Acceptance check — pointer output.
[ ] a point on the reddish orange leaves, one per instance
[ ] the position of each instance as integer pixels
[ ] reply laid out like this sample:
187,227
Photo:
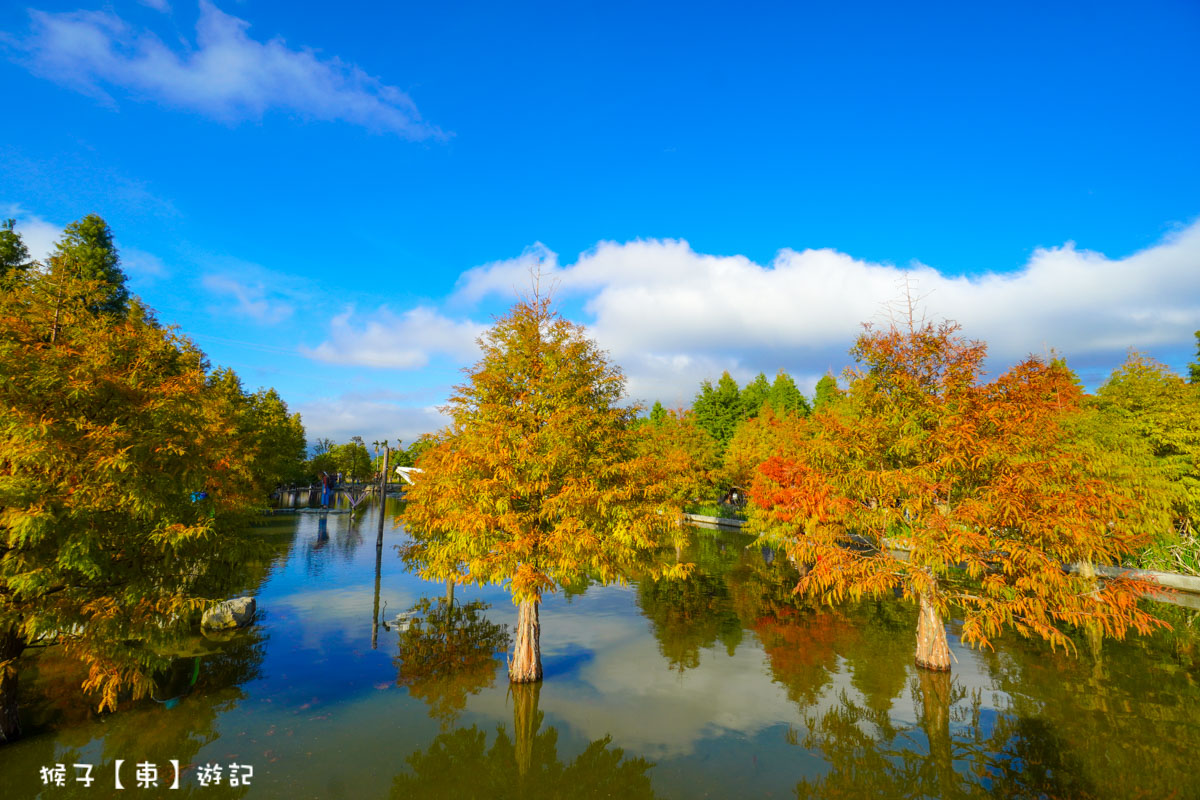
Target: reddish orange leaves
926,481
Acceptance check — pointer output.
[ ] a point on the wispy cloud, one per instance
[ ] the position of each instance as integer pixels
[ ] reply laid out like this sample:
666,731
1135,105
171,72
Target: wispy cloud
400,341
140,264
226,74
247,297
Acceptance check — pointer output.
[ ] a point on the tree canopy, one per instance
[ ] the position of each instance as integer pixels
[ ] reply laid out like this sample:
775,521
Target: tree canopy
107,427
785,398
982,486
719,409
86,251
128,473
536,483
14,255
754,395
827,391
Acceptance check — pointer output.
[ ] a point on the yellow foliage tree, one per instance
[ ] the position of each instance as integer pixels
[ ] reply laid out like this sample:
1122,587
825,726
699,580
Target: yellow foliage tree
536,484
106,430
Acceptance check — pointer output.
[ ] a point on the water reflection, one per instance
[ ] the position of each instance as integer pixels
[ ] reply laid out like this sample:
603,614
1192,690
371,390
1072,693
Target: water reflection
448,652
343,543
200,681
525,764
1127,711
958,748
728,683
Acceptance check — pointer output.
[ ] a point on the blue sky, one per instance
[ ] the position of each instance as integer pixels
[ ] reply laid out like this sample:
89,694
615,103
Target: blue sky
336,202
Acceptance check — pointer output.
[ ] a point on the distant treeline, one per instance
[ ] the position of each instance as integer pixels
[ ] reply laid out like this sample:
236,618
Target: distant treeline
354,462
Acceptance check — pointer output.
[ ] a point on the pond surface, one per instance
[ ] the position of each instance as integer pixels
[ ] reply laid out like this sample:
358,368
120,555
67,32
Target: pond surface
721,686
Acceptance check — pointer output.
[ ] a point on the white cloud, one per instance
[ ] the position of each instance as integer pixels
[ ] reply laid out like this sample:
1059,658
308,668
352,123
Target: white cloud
400,341
157,5
226,74
38,234
251,298
671,317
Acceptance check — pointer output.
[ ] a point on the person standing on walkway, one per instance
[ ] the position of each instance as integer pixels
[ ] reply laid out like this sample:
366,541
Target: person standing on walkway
326,485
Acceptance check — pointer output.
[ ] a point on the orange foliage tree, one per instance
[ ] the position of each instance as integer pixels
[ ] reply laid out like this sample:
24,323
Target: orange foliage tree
756,440
536,483
955,493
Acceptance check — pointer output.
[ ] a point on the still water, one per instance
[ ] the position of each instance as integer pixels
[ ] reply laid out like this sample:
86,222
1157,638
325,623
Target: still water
358,683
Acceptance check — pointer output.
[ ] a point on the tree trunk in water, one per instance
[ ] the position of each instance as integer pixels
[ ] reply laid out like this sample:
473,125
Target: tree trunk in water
450,594
11,647
932,650
935,721
526,721
526,663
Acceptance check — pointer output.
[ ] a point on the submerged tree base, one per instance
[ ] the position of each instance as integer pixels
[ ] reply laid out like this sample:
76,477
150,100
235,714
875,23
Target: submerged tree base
933,652
526,663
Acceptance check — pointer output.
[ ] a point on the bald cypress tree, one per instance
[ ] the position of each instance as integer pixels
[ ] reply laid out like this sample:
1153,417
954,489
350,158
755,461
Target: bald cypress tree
537,483
107,428
86,252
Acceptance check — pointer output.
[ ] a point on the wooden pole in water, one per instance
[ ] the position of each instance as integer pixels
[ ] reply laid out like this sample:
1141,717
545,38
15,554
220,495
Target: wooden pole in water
382,495
375,613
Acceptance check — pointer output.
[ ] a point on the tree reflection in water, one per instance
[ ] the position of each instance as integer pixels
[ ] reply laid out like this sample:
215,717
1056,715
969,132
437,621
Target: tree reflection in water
955,750
459,763
695,613
959,747
447,653
152,731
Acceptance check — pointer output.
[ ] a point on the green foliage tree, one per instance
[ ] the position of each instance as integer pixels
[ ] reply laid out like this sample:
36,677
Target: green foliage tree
322,460
107,427
755,393
785,398
86,251
353,459
536,483
718,410
658,414
827,392
1194,367
1162,410
14,256
280,440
